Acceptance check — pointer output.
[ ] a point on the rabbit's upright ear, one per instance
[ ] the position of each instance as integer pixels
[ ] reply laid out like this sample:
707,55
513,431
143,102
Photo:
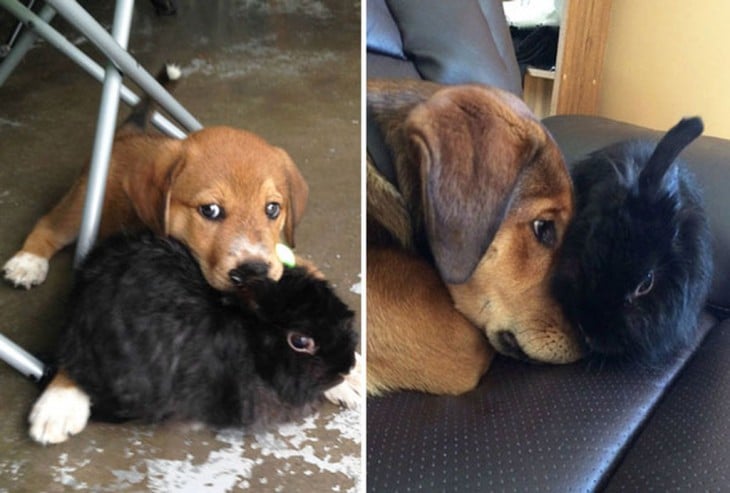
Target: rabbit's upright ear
471,144
674,141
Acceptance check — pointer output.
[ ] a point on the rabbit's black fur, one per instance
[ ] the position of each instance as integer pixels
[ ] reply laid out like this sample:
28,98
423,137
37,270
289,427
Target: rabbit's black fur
148,338
636,263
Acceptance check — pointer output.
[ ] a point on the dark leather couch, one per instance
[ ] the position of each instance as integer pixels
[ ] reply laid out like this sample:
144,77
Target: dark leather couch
576,427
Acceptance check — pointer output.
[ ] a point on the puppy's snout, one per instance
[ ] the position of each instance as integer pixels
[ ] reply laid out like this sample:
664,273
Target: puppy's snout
250,271
509,345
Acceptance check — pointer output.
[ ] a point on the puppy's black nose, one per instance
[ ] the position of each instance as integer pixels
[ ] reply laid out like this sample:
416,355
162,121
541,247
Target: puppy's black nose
509,345
250,271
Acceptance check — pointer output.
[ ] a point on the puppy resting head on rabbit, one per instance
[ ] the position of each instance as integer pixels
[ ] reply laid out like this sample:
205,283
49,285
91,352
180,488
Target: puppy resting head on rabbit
636,262
148,338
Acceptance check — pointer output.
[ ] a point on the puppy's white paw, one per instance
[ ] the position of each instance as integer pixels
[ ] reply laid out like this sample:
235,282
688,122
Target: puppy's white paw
59,413
348,393
26,269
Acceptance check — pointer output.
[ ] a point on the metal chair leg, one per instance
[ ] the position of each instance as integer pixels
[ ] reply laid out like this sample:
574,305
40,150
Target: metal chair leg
114,47
99,167
21,360
91,29
18,49
37,26
8,46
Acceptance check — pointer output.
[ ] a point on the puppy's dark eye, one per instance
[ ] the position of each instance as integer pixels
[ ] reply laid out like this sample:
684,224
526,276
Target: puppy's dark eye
301,343
212,211
273,209
645,285
545,232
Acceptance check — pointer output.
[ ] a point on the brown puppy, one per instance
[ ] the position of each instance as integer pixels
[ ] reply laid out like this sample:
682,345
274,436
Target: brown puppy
226,193
476,207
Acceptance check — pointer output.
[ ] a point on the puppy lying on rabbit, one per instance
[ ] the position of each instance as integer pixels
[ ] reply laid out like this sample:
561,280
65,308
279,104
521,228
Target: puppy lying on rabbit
636,263
147,338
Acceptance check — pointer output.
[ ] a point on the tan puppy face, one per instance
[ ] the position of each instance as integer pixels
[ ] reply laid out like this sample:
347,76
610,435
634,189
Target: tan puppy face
508,293
231,197
496,198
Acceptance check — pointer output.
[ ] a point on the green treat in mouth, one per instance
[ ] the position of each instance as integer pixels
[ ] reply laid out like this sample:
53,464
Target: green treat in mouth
286,255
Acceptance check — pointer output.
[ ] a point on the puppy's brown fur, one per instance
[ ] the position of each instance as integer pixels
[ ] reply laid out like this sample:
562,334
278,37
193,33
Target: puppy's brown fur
161,183
446,354
474,171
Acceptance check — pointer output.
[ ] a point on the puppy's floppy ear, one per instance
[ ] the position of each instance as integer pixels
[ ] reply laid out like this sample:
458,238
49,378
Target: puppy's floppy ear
150,189
470,143
174,170
298,191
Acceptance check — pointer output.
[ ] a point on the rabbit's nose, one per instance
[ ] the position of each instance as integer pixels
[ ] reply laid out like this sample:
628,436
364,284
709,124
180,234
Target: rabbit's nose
510,346
247,272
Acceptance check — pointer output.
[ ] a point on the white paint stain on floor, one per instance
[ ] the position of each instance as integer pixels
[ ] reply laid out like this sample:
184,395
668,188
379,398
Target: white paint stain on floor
9,123
357,287
224,470
323,447
231,468
256,57
309,8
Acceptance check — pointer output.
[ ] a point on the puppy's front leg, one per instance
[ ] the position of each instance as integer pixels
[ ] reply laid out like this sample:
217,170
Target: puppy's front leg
52,232
416,339
62,410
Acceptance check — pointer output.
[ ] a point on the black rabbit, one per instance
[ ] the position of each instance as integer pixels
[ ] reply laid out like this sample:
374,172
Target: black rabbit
149,339
636,264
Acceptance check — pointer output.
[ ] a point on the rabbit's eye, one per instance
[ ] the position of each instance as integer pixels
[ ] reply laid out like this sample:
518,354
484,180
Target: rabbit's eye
645,285
301,343
214,212
545,232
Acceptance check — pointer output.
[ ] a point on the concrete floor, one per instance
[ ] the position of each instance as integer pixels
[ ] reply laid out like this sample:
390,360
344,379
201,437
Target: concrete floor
288,70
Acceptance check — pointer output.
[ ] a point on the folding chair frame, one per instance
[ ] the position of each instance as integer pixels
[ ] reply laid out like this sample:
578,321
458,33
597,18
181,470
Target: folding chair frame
120,61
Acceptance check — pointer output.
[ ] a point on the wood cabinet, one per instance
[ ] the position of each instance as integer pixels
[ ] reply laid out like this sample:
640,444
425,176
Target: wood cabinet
572,88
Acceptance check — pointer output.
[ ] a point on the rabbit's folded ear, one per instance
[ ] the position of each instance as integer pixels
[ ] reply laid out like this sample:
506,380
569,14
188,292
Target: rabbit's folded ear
469,142
653,179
